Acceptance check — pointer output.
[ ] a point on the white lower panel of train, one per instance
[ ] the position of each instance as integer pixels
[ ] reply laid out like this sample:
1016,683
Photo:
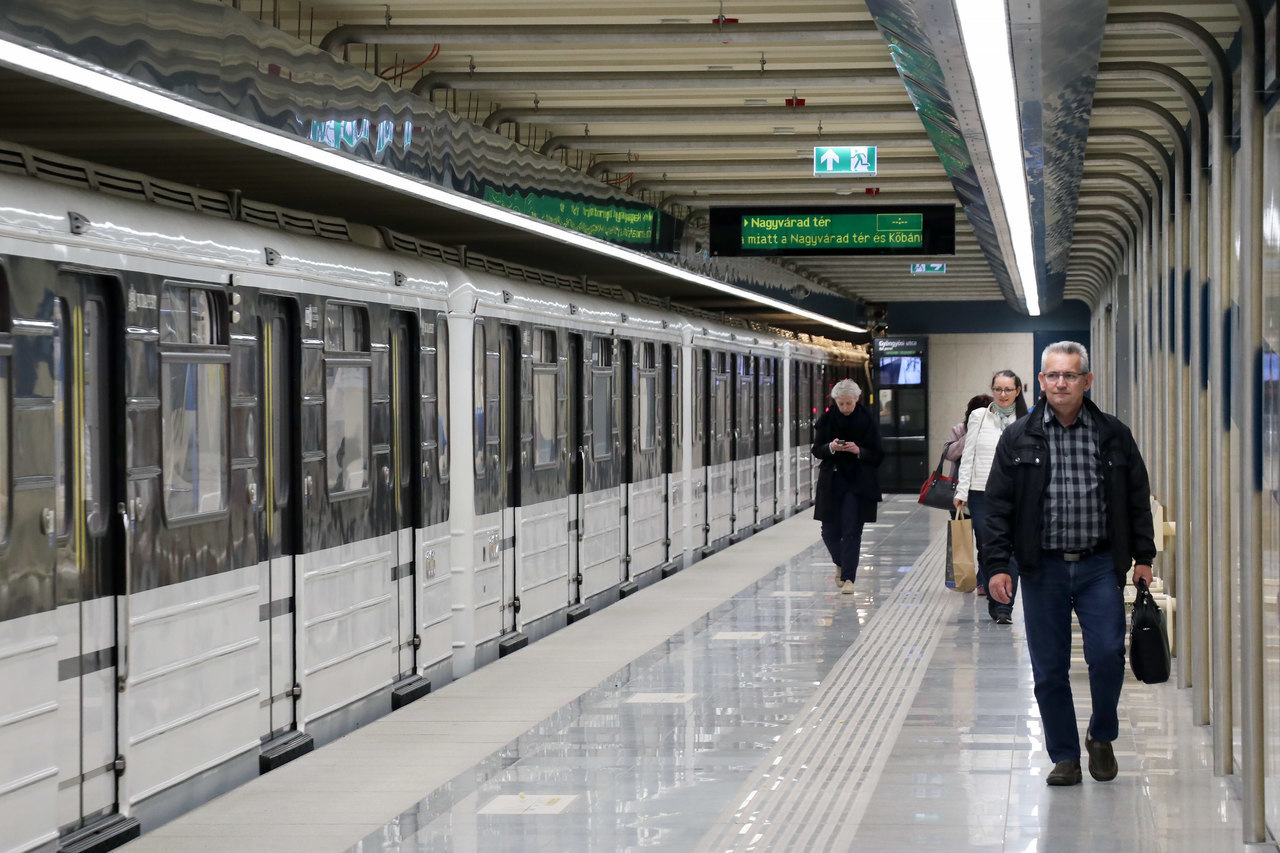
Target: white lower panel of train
805,476
678,536
767,485
542,564
600,542
719,501
744,495
647,525
28,728
699,525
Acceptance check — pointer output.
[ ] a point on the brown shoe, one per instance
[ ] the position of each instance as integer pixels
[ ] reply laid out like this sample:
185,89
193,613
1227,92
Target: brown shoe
1102,760
1065,773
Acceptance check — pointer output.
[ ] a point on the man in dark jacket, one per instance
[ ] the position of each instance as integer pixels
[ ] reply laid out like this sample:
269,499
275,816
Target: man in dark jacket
1068,497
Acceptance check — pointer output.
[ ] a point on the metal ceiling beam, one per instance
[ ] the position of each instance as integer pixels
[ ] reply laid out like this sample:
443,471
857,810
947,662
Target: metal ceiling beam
629,115
549,36
1122,159
748,167
676,142
552,81
1175,80
1143,140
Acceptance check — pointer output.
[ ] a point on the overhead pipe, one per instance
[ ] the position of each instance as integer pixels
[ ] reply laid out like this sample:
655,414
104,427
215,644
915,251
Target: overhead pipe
676,142
555,81
639,35
666,115
720,166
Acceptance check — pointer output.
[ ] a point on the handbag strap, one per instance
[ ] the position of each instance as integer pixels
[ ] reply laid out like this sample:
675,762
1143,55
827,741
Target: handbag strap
943,458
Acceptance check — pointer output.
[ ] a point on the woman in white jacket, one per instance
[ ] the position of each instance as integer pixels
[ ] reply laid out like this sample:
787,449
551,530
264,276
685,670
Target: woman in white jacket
984,429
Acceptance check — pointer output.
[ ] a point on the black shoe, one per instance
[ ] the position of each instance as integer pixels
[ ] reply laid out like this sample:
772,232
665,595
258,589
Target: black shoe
1102,760
1065,773
1003,615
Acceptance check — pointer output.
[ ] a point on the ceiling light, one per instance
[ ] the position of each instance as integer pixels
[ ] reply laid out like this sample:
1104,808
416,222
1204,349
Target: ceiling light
984,29
83,77
783,131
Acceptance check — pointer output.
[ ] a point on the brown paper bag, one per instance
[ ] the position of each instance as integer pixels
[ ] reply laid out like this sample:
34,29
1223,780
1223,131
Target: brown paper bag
962,555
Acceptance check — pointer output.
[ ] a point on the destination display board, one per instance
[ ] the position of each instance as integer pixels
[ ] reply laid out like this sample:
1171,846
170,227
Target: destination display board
846,230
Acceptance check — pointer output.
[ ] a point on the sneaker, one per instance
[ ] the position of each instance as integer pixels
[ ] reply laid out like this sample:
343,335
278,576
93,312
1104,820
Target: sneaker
1102,759
1064,773
982,590
1003,615
846,588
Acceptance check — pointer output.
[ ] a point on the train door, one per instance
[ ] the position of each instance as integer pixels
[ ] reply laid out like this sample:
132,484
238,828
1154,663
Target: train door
804,433
720,463
647,491
509,394
700,446
600,555
743,419
767,439
575,391
671,426
279,505
90,561
626,456
406,399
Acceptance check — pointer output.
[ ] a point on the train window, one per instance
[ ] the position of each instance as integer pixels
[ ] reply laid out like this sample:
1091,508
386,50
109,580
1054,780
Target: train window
347,397
648,411
194,405
277,391
477,397
545,375
93,458
347,426
61,458
5,449
646,356
442,397
345,328
602,399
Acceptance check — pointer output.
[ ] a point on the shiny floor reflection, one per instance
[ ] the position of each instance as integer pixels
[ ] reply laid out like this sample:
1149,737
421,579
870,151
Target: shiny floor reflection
654,755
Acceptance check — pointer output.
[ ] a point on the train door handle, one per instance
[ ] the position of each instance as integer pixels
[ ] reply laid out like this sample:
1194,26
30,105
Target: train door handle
308,486
524,458
426,469
47,521
253,496
386,475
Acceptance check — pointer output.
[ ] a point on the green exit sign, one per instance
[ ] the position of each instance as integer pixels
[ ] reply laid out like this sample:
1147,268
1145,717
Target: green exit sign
928,269
844,160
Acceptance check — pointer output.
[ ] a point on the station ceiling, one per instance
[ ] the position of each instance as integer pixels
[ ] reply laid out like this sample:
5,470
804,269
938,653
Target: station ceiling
696,105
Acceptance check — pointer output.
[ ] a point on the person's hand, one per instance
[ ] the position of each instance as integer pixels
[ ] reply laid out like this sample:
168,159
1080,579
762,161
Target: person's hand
1142,573
1000,587
959,504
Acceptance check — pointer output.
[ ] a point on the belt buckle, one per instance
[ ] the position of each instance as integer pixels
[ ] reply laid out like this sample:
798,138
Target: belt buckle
1073,556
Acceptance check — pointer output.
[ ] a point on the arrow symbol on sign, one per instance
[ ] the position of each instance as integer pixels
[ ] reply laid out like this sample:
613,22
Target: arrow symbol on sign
830,158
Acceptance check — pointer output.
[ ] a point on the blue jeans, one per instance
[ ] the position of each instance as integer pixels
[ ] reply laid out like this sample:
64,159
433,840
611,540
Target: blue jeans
1048,596
842,528
977,506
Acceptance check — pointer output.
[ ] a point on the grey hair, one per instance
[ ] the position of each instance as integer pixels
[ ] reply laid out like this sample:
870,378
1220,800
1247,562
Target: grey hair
1066,348
846,388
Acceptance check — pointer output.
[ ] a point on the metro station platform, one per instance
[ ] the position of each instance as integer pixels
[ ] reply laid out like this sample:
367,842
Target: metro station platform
744,705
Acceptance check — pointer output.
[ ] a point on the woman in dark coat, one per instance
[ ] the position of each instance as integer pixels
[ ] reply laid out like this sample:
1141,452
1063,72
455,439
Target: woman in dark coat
847,440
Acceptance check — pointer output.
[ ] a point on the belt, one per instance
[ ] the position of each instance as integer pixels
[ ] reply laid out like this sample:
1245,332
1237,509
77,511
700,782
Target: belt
1082,554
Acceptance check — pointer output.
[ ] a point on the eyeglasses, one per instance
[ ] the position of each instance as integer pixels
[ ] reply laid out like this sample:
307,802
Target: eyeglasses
1070,377
1004,390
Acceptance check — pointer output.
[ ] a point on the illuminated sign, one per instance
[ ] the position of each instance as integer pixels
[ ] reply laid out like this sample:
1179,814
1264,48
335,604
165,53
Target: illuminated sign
869,230
626,226
928,269
844,160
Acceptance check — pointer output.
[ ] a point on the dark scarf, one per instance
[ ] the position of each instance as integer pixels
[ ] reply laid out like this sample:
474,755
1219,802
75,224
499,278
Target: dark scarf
846,426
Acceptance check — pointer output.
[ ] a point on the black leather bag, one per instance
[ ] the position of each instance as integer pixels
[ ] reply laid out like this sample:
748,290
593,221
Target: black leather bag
938,491
1148,639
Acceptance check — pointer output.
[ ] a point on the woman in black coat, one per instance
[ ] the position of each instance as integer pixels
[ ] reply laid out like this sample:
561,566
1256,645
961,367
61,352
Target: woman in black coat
847,440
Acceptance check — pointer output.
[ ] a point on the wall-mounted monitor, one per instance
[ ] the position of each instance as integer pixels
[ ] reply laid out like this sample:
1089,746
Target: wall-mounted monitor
889,229
900,370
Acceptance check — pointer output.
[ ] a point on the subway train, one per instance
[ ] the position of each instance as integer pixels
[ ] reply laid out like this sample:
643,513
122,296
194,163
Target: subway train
267,476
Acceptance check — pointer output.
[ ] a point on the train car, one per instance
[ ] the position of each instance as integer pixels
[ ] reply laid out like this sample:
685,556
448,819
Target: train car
267,476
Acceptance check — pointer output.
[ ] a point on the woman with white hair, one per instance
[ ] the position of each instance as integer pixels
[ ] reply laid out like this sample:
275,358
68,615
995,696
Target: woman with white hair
847,440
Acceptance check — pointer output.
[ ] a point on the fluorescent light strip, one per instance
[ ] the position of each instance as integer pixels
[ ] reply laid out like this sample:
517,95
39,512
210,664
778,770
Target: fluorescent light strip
62,71
984,29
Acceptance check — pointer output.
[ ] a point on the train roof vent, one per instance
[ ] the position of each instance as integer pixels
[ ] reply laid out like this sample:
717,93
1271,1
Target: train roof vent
398,242
259,215
129,186
13,160
60,171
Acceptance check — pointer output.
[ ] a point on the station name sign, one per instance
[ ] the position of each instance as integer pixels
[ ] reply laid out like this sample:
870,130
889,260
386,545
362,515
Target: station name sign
849,230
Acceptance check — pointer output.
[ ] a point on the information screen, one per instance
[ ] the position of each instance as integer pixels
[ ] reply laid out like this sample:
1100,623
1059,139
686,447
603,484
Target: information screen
879,230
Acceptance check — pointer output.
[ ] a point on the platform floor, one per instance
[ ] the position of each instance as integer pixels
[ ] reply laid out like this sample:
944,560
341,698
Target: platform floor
745,705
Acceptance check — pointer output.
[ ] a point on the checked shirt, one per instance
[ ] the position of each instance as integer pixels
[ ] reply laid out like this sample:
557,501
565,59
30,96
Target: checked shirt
1075,507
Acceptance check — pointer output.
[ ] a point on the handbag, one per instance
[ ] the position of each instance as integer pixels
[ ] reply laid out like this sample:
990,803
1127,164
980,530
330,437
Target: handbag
938,491
1148,639
962,558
